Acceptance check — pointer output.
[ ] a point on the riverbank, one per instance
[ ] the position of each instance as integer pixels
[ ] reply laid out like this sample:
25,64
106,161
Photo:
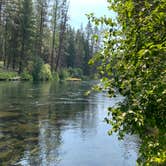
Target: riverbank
13,76
9,76
6,75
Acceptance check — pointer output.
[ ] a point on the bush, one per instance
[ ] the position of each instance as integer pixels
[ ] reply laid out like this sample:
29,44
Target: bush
63,74
30,66
45,73
55,76
6,75
36,68
76,72
26,75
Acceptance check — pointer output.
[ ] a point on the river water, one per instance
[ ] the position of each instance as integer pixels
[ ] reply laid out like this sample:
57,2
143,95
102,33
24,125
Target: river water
55,124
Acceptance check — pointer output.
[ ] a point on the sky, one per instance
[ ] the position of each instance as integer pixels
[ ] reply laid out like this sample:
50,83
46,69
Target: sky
78,9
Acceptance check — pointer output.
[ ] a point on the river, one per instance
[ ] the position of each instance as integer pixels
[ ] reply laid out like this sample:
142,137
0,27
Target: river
55,124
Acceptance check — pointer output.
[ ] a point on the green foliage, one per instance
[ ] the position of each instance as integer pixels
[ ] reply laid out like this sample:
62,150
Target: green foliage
36,68
133,60
25,32
45,73
39,70
26,76
75,72
29,67
55,76
63,74
7,75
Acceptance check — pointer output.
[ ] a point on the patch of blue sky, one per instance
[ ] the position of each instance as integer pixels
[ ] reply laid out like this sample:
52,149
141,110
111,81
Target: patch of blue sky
78,9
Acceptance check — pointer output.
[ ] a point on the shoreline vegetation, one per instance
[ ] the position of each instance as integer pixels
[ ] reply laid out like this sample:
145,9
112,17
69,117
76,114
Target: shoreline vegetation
38,42
45,74
133,60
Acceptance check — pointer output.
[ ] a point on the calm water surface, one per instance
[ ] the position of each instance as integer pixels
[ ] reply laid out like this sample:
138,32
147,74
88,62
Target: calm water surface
55,124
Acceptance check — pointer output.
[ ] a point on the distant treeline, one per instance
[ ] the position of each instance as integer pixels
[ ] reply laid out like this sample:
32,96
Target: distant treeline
34,31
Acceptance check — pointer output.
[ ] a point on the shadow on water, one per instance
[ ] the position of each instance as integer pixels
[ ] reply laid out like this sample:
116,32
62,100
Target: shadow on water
56,124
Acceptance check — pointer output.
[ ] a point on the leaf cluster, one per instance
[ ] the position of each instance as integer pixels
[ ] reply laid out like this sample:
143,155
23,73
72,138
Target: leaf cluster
134,61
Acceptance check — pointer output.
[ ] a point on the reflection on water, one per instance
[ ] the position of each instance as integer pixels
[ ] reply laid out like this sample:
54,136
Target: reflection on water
55,124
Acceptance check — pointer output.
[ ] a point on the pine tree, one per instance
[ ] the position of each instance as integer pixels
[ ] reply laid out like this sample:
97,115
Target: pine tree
41,22
71,50
54,27
26,33
63,27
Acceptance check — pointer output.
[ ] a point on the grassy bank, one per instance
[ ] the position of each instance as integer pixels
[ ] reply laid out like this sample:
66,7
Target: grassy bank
6,74
41,72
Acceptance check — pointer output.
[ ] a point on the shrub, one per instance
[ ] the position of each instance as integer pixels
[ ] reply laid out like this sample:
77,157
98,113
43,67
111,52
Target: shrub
55,76
36,68
63,74
76,72
45,73
26,75
6,75
30,66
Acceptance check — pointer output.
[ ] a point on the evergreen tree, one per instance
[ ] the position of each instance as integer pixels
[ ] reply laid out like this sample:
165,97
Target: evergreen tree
38,29
11,33
41,22
27,31
79,49
54,29
71,52
63,27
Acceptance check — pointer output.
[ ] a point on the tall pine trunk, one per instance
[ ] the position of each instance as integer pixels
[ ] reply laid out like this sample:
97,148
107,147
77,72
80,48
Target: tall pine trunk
53,35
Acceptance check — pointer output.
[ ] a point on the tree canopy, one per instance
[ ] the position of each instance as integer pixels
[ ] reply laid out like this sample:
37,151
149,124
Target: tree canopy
39,29
133,63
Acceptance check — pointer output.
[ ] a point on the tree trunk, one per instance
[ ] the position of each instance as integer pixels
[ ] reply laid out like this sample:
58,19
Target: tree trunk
64,13
53,36
5,45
